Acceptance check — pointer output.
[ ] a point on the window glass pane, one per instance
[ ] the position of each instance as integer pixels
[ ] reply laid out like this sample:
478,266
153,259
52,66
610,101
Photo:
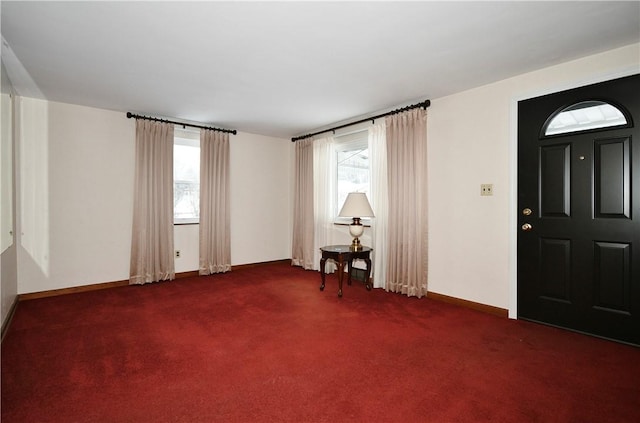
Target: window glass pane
584,116
353,173
186,181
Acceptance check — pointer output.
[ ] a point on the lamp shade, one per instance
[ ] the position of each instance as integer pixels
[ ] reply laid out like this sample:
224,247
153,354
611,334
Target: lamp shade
356,205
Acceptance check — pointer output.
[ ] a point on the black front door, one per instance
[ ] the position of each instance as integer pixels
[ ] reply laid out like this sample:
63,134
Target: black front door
579,211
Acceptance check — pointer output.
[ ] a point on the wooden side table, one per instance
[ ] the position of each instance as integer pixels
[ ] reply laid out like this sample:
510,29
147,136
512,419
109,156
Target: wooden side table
342,254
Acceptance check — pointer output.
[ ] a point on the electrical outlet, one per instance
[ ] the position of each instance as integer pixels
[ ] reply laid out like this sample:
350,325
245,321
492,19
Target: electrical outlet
177,253
486,189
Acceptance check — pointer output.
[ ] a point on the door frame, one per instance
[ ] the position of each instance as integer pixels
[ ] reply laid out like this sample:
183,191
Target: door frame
512,270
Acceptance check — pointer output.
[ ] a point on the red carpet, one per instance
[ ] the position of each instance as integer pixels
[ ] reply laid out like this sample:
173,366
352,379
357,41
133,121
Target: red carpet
263,344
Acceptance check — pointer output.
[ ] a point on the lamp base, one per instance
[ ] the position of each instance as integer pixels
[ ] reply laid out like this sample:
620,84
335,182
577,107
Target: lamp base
356,229
355,245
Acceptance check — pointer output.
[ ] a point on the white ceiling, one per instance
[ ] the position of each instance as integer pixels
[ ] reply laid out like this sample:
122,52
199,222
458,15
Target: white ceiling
287,68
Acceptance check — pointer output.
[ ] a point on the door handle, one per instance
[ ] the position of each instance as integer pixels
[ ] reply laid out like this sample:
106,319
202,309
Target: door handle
527,227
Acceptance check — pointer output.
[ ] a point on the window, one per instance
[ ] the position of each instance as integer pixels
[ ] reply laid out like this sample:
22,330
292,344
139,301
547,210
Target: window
352,166
186,176
583,116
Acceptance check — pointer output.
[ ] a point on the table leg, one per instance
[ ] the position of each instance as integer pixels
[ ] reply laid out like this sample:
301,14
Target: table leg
349,269
368,263
322,263
340,275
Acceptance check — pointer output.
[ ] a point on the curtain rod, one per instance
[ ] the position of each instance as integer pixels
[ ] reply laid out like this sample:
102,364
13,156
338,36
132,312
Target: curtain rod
229,131
424,104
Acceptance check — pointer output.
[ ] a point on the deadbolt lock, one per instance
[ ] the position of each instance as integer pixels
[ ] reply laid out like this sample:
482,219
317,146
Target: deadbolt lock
527,211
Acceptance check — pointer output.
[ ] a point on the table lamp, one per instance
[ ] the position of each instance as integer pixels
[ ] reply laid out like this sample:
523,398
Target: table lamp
356,206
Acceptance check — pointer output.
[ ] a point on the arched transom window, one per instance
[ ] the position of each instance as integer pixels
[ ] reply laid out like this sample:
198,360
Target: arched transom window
584,116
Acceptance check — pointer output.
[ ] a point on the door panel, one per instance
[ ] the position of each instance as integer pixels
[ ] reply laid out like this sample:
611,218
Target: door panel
613,179
555,180
555,269
612,281
579,248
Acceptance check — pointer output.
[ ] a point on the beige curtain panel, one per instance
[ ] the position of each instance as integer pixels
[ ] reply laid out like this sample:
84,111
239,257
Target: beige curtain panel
152,232
407,205
215,238
379,202
303,212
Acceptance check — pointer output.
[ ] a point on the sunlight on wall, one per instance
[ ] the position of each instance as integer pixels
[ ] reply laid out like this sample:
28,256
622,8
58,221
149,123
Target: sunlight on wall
6,174
34,181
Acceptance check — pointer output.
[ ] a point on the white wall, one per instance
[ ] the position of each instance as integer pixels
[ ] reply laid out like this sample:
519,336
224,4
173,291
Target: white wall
77,167
261,203
8,255
472,140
